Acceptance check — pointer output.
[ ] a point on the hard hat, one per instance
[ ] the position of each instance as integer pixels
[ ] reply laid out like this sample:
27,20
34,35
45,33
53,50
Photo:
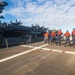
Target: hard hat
66,30
73,28
59,29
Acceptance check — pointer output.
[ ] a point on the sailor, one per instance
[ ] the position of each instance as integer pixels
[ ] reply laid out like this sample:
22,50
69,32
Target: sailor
58,39
73,36
53,34
67,36
46,37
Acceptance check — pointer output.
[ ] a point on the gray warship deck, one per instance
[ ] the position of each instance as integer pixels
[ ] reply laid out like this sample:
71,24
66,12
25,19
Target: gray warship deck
37,59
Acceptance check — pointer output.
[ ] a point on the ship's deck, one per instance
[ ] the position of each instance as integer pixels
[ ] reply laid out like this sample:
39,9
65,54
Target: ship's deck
37,59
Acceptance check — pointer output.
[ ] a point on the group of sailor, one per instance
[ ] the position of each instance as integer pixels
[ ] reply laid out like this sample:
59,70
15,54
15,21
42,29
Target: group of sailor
56,37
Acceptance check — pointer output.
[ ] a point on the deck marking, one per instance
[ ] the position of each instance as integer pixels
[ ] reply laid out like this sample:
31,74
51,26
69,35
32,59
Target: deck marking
34,48
30,46
27,46
23,45
56,50
69,52
8,58
46,49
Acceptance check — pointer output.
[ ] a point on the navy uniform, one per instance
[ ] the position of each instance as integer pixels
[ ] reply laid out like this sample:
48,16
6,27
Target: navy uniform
53,34
73,37
46,37
58,37
67,40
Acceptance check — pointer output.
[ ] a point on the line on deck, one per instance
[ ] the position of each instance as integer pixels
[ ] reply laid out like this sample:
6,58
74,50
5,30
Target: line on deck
48,49
8,58
56,50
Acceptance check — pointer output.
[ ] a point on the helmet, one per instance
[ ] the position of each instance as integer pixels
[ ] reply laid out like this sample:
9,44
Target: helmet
59,29
66,30
73,28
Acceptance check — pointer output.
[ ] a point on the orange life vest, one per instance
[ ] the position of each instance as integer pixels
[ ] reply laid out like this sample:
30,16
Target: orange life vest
46,34
59,32
67,34
73,32
53,33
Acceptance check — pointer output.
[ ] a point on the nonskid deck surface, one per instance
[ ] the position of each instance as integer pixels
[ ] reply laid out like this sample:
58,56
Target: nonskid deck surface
37,59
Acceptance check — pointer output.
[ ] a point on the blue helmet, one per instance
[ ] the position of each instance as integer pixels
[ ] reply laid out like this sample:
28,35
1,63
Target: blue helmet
59,29
73,28
66,30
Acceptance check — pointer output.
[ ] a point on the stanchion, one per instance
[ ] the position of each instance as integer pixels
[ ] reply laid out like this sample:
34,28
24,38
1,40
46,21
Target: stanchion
29,39
6,42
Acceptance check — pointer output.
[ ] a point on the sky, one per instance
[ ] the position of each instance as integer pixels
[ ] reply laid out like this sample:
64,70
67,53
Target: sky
58,14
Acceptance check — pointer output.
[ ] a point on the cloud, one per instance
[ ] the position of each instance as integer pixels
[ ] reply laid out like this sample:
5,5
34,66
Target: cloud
60,2
49,13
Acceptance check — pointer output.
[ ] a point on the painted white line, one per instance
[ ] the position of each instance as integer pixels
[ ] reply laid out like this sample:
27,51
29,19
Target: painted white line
68,52
38,47
30,46
8,58
27,46
43,45
2,60
35,47
56,50
23,45
46,49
